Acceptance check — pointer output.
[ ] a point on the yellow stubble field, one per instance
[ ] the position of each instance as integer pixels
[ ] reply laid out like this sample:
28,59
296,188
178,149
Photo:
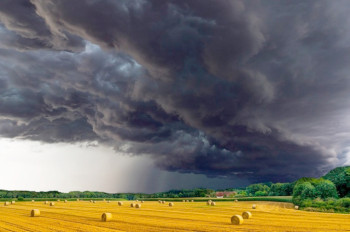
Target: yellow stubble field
153,216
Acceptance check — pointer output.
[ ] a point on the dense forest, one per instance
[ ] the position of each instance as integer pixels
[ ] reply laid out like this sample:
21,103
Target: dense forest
329,193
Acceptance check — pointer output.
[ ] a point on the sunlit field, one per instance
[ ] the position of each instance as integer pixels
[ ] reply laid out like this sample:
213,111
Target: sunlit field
155,216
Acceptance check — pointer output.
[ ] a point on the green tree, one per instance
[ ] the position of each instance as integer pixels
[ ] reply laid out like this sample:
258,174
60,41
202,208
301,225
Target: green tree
341,178
252,189
281,189
302,191
326,189
308,191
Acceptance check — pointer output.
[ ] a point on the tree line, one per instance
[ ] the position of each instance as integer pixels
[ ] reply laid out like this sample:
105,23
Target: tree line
329,193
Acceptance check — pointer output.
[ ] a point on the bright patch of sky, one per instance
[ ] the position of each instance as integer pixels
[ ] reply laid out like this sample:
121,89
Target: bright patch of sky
29,165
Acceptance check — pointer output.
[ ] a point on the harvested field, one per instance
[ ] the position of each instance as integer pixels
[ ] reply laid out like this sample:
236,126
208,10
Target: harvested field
197,216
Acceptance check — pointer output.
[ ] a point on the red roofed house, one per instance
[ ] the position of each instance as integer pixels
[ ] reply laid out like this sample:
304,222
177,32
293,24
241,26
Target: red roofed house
224,194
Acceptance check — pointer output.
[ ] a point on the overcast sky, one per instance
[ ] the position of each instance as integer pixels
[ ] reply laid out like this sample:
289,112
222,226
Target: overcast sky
150,95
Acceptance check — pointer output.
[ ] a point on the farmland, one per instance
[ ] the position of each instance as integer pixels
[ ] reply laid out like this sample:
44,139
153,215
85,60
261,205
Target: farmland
153,216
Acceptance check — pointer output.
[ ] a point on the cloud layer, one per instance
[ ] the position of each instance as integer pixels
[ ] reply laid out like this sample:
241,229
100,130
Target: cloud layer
258,90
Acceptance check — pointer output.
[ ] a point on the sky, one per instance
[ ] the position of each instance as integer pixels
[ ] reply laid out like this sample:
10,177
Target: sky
152,95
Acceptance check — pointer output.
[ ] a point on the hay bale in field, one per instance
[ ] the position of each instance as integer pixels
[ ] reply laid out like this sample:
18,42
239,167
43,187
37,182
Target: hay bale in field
138,206
247,215
212,203
108,201
120,203
132,205
35,213
187,200
58,200
137,200
163,202
32,200
296,207
13,202
52,204
236,200
94,202
192,200
106,217
46,202
142,201
237,220
171,204
91,201
254,206
65,201
208,203
183,200
6,203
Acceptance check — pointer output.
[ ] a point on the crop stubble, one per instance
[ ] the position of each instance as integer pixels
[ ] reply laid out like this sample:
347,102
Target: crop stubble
152,216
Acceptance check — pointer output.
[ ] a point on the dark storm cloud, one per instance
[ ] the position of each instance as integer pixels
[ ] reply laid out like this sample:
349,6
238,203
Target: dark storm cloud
252,89
25,29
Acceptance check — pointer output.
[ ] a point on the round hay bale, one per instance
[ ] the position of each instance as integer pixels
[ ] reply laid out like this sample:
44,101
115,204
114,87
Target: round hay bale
183,200
192,200
247,215
132,205
237,220
52,204
13,202
106,217
32,200
120,203
35,213
91,201
6,203
171,204
208,203
137,200
142,201
58,200
137,206
108,201
212,203
94,202
296,207
65,201
187,200
236,200
254,206
159,201
163,202
46,202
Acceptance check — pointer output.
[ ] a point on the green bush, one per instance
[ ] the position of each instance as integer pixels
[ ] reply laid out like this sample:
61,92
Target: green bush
345,202
261,193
